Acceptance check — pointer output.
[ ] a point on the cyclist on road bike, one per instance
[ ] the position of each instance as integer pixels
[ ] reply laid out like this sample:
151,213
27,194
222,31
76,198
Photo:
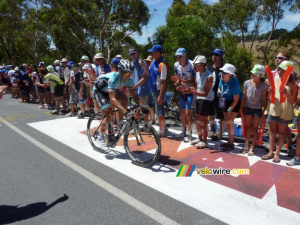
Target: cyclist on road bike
106,92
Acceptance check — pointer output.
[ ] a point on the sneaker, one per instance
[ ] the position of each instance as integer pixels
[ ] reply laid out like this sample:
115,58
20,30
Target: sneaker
188,138
293,162
201,145
181,135
87,114
211,134
54,112
102,145
70,114
42,107
216,137
195,141
81,115
163,132
63,111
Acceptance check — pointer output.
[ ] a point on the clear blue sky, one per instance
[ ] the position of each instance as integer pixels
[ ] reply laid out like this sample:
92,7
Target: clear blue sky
289,21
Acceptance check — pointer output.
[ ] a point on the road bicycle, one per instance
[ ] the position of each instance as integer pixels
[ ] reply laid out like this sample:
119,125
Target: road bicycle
140,139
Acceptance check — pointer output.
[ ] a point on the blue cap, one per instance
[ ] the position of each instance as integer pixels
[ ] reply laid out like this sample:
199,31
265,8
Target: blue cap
70,63
115,61
156,48
180,51
218,52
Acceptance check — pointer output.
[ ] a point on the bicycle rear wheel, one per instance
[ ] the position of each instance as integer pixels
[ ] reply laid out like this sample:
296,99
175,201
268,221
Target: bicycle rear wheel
142,144
93,132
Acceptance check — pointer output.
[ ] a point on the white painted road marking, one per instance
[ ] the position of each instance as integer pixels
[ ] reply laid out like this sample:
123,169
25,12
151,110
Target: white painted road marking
221,202
148,211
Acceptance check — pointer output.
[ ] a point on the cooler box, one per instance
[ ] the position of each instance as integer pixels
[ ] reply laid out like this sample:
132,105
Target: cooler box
238,131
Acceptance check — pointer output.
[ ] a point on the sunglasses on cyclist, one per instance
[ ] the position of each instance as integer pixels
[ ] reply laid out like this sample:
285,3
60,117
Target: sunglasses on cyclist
127,74
280,57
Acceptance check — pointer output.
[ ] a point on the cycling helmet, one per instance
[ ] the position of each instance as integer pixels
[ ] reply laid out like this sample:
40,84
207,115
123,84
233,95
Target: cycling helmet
125,66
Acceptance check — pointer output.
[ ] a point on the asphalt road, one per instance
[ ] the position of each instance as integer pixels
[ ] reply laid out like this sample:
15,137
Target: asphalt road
45,182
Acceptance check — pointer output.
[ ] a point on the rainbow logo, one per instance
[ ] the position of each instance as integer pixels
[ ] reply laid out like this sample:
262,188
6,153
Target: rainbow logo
186,170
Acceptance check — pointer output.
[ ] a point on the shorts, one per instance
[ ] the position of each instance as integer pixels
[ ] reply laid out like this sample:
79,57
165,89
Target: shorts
228,104
48,89
204,107
82,99
102,98
150,100
277,119
59,90
159,109
253,112
74,96
88,92
185,101
144,100
217,112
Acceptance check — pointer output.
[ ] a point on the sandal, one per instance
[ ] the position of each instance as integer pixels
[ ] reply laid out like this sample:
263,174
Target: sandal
228,147
267,157
276,159
251,152
245,151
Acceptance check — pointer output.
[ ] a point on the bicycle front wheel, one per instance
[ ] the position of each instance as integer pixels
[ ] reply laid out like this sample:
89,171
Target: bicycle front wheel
142,144
93,132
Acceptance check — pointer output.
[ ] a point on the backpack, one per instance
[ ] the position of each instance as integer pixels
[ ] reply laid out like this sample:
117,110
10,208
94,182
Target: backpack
78,79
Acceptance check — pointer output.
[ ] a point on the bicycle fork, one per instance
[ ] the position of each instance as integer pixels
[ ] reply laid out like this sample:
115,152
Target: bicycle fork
137,132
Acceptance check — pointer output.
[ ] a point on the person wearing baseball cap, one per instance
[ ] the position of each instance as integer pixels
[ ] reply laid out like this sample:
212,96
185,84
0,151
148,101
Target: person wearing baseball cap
230,96
204,97
217,58
185,72
254,99
141,80
158,84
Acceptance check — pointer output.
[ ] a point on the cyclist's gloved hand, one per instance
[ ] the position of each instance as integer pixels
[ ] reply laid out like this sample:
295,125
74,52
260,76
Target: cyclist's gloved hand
128,114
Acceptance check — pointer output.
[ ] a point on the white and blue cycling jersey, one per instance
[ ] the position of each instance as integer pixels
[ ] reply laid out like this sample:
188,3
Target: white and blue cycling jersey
186,72
111,82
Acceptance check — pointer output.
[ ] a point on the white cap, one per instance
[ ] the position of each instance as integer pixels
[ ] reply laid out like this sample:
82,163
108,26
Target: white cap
87,66
64,60
57,62
228,68
199,59
50,68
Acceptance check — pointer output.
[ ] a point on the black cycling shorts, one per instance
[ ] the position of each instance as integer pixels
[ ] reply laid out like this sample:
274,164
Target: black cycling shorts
102,98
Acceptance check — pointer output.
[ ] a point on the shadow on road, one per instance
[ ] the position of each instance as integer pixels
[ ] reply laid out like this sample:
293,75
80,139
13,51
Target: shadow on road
12,214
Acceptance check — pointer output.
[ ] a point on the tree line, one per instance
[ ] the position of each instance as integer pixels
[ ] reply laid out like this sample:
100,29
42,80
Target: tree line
45,30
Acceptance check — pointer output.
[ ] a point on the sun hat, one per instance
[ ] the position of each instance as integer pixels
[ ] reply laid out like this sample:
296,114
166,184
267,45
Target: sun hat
99,56
156,48
149,58
84,58
87,66
199,59
57,62
259,70
119,56
285,64
180,51
64,60
218,52
228,68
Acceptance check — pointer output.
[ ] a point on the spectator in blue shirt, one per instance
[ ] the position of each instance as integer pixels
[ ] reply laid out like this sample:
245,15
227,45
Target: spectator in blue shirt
102,66
230,96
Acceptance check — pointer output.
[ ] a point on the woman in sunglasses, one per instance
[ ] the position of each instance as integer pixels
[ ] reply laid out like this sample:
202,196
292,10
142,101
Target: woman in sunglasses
230,96
280,114
282,56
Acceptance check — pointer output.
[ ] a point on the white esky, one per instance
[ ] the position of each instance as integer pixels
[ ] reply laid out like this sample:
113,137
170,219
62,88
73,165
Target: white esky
289,22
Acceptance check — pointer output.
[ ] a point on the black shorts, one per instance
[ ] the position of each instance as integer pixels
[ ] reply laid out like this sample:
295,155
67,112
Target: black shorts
102,98
253,112
41,90
59,90
204,107
48,89
228,104
217,112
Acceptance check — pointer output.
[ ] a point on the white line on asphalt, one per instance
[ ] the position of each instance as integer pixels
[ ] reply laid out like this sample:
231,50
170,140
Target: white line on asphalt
148,211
